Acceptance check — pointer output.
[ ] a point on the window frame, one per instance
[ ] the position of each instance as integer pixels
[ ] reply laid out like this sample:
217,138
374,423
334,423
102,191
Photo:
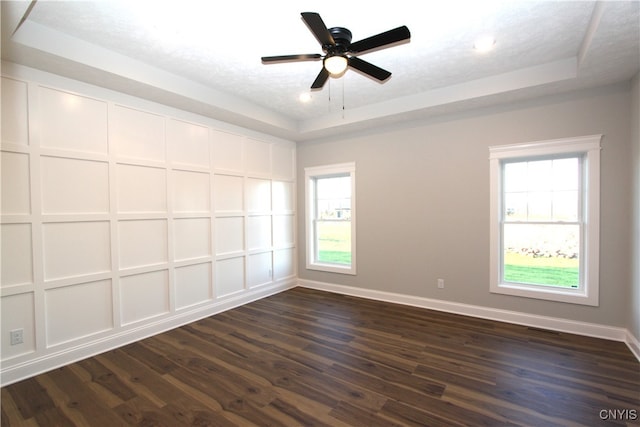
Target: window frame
588,147
311,175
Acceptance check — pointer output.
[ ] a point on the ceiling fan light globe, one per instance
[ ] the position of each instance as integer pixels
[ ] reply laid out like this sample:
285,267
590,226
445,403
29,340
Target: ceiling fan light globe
336,65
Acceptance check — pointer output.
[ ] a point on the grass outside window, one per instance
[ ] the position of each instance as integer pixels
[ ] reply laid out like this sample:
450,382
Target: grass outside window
551,271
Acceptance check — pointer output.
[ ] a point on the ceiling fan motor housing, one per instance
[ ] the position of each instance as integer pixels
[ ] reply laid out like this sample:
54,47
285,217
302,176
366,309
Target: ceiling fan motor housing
342,38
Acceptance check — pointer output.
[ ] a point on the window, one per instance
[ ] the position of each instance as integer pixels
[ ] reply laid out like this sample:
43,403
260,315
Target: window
330,225
545,203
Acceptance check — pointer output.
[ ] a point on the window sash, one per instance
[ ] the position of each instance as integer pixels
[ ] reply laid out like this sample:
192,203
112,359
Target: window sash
325,255
540,261
580,190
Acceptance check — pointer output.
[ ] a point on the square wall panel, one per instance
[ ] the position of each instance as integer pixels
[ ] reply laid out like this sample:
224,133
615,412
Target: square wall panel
259,269
137,135
17,312
74,186
72,122
193,284
144,295
283,159
141,189
229,276
227,151
142,242
229,194
188,144
258,195
283,230
282,196
258,156
15,112
229,234
76,248
16,262
259,232
192,238
283,263
191,192
78,311
15,183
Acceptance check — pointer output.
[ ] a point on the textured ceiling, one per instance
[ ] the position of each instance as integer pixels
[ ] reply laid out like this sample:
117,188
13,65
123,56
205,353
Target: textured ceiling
204,57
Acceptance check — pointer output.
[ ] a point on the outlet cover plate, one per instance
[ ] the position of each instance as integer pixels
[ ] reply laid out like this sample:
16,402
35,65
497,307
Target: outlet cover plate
17,336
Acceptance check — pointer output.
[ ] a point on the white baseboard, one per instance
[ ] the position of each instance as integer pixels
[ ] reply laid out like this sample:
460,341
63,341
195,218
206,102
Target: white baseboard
542,322
21,368
634,344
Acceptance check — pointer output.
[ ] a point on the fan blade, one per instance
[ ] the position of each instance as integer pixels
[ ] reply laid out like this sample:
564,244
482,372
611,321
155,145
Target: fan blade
321,79
368,68
318,28
303,57
379,40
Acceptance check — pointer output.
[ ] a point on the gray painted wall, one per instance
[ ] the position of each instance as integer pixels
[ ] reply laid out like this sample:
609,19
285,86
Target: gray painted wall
423,201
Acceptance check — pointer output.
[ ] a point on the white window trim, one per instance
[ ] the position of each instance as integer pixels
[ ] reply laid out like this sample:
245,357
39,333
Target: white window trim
589,146
310,174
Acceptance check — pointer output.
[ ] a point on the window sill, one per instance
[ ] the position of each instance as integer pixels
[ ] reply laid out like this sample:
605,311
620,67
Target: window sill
333,268
572,296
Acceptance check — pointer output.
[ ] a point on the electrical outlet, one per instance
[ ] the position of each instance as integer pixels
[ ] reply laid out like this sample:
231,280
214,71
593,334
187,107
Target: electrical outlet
440,283
17,336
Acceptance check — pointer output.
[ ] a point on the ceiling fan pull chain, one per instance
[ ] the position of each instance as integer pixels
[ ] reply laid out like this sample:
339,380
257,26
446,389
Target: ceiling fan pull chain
329,103
342,99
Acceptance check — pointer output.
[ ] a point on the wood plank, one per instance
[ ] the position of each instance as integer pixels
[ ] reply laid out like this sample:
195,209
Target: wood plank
395,391
410,415
140,411
62,400
197,415
491,406
354,416
104,377
11,415
210,377
155,361
288,413
82,399
139,377
30,398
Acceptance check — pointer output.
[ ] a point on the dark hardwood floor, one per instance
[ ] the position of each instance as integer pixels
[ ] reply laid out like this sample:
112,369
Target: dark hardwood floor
310,358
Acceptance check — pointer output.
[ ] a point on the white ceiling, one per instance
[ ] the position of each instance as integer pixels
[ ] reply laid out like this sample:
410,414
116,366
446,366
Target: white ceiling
203,57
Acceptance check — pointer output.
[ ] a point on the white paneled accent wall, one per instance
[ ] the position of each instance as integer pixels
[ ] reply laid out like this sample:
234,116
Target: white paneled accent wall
120,221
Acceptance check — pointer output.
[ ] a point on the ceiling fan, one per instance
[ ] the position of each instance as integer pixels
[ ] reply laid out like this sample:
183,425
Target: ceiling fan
340,52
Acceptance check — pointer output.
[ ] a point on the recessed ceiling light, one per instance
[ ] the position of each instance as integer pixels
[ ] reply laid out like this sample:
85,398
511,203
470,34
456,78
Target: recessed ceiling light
484,44
305,97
